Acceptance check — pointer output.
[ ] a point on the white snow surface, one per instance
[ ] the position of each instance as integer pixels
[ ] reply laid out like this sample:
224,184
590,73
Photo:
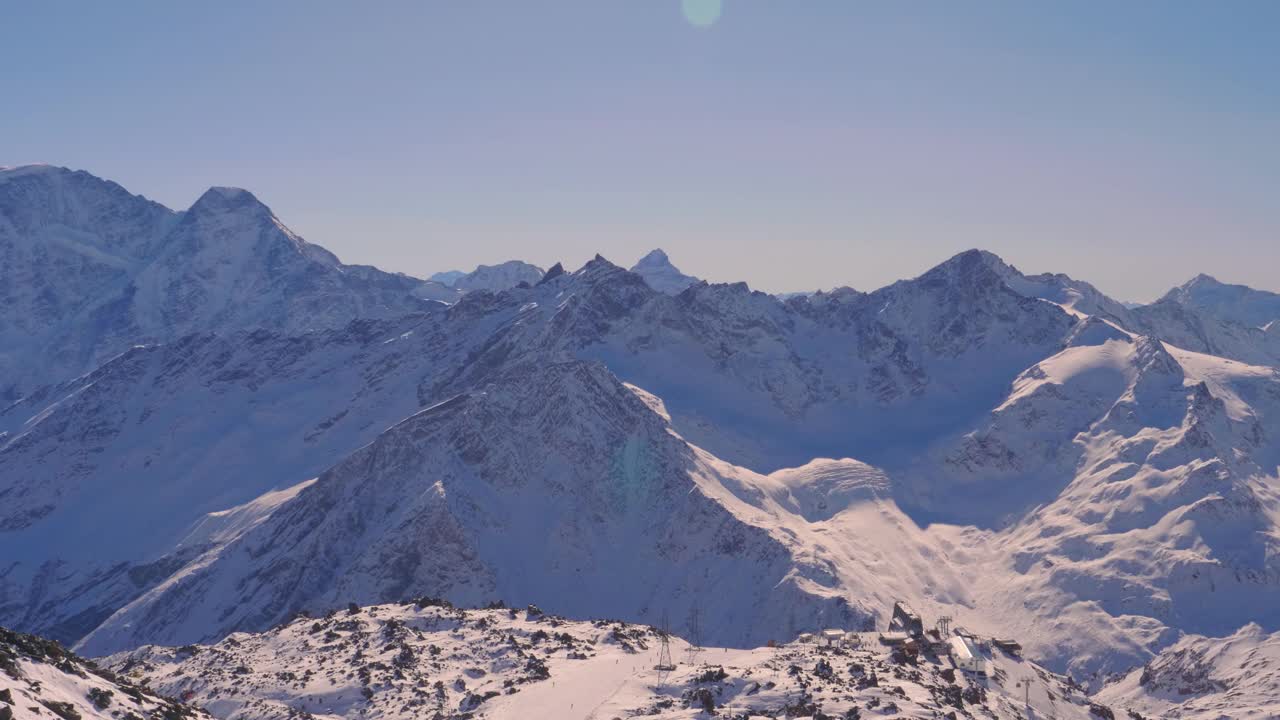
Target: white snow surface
215,424
1234,303
1200,678
406,661
40,680
502,276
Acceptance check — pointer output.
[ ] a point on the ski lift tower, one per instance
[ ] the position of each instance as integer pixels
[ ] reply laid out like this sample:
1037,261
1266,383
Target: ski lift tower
944,627
695,635
665,664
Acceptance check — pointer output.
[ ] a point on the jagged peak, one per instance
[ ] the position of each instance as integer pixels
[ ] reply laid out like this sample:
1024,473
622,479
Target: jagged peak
1151,354
659,274
220,199
596,266
968,269
975,258
1203,279
656,256
552,273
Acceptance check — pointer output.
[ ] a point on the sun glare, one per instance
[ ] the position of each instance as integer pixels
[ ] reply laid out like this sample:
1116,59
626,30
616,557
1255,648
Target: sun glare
701,13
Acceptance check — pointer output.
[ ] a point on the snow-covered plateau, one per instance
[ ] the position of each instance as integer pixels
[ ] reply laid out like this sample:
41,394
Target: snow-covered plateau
210,427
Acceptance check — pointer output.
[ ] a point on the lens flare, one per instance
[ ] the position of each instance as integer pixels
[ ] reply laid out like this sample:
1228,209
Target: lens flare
701,13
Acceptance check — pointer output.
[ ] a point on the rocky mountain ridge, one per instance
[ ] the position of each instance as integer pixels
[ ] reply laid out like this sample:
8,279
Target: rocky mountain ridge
421,658
90,270
1026,448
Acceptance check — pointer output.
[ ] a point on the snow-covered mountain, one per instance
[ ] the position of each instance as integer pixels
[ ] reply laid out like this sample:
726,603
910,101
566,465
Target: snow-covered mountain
426,660
447,277
1136,479
499,277
448,286
40,679
166,434
993,388
1239,304
877,376
263,430
88,270
544,478
660,274
1200,678
1204,315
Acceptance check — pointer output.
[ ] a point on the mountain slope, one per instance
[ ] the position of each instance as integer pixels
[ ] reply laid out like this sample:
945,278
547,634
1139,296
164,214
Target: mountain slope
880,376
661,275
415,660
106,475
65,238
448,287
1201,678
1197,330
1143,482
550,481
40,679
1042,458
499,277
90,271
1238,304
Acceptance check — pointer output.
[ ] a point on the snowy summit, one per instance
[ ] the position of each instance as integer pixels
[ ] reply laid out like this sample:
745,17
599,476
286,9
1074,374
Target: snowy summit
222,446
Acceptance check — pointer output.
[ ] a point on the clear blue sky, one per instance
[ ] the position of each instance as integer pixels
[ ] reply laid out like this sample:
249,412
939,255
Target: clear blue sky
794,145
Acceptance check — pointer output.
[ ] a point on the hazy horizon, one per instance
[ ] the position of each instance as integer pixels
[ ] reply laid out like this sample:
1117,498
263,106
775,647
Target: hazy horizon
792,148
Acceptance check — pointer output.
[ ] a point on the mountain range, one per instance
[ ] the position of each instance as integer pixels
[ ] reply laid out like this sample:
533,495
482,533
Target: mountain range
211,425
